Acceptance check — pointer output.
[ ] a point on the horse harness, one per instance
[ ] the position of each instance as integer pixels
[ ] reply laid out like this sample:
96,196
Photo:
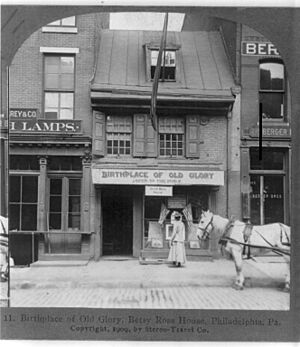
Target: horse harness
247,233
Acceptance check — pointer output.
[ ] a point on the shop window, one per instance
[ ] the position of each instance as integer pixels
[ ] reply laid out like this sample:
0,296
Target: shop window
268,182
59,87
65,22
23,202
23,162
168,69
273,159
272,89
64,215
65,163
171,137
118,135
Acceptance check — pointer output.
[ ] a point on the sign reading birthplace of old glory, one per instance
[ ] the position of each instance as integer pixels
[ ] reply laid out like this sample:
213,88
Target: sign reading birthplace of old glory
157,177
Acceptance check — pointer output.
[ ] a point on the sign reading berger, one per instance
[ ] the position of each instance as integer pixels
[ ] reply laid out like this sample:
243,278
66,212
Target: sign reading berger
157,177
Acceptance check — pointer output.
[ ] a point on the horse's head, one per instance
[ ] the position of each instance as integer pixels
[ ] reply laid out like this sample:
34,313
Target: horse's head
205,225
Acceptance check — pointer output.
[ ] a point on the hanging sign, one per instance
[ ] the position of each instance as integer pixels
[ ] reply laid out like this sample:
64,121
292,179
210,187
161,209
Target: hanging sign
157,177
158,191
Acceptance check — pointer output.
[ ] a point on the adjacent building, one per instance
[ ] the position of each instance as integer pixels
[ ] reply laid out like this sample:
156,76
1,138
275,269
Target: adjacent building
91,177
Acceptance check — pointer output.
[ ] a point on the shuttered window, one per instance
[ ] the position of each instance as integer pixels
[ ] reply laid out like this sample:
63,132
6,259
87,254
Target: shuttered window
171,137
118,135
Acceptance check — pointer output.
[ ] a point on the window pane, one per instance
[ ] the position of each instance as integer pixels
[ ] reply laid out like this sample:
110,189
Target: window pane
271,76
56,186
55,203
74,221
74,204
67,65
272,105
255,199
55,221
67,82
14,188
51,100
56,23
14,217
74,186
66,113
51,64
29,217
69,21
51,81
66,100
29,189
51,114
272,159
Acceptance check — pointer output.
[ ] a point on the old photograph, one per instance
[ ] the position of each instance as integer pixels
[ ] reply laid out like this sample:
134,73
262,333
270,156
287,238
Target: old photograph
147,163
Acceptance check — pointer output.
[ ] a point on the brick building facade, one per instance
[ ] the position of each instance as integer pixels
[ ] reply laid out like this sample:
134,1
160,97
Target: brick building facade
89,176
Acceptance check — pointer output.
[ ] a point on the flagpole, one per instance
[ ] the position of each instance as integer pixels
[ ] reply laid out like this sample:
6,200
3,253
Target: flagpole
153,114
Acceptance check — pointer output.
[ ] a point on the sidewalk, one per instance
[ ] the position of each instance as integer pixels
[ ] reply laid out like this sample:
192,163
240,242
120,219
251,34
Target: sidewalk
130,273
128,284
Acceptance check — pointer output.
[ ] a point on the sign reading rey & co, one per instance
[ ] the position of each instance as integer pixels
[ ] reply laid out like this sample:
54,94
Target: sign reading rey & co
48,126
26,113
157,177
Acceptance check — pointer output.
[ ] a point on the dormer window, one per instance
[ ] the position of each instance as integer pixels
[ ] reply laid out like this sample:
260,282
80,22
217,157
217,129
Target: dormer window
168,73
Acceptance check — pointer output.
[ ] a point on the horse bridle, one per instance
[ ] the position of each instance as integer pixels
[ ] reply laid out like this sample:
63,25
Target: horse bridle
205,231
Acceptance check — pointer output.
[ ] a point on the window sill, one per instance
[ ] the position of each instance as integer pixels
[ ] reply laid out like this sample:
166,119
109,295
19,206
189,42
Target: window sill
61,30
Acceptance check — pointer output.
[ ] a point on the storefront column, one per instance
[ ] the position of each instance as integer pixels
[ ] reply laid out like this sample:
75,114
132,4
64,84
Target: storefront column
138,229
85,205
213,207
245,184
234,166
42,193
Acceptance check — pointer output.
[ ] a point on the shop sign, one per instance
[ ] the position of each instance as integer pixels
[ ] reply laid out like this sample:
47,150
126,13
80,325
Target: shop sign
157,177
24,113
259,48
3,121
158,191
45,126
271,131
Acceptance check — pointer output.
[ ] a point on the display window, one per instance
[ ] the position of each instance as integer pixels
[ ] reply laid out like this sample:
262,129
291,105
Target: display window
158,221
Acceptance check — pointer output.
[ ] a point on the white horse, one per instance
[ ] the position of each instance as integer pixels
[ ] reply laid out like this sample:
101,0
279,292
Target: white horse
234,235
3,248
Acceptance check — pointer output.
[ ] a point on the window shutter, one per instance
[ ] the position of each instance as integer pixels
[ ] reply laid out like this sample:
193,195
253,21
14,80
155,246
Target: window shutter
192,137
98,133
151,139
139,142
145,138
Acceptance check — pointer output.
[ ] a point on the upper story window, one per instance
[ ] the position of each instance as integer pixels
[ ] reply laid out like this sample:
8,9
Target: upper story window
168,73
272,89
171,137
64,22
59,87
118,135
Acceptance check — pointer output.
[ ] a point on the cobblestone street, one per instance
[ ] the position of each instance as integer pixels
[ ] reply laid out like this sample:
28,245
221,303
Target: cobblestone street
128,284
189,297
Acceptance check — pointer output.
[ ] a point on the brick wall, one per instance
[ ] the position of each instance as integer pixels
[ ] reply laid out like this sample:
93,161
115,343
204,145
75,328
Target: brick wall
26,71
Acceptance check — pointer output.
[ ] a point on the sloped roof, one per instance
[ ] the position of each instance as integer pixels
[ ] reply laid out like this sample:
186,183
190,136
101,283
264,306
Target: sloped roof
204,70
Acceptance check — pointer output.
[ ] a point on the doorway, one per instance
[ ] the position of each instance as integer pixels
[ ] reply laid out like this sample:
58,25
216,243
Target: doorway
117,215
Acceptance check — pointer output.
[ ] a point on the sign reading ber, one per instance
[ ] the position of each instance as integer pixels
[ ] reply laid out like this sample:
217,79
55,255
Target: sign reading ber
259,48
157,177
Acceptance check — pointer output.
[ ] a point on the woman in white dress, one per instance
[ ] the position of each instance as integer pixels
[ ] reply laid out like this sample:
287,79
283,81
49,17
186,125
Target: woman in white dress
177,251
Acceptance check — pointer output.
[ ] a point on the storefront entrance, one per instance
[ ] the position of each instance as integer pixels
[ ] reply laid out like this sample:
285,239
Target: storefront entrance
117,212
